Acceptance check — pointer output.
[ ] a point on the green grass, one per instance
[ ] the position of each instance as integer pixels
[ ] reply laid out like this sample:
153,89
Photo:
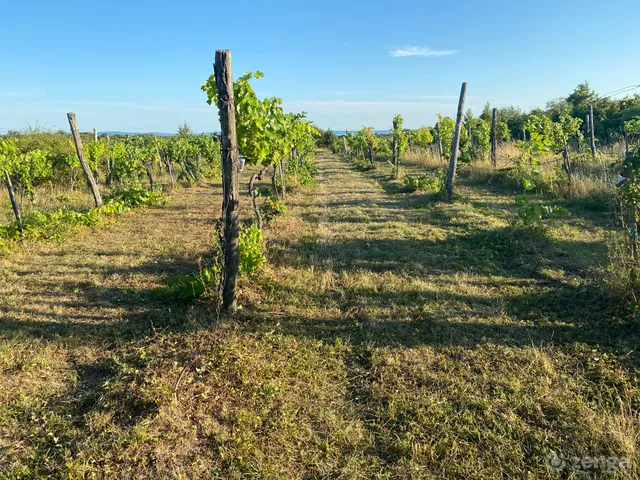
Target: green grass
390,335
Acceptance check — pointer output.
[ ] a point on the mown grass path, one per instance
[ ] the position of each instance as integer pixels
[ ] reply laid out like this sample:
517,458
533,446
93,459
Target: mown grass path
390,336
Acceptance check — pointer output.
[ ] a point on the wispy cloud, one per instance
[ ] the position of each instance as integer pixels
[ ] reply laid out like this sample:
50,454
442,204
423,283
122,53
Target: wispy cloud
420,52
9,94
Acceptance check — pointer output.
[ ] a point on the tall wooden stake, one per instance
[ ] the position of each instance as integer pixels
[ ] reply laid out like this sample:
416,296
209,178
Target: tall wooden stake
231,194
455,144
93,186
587,124
14,202
283,182
440,151
494,137
95,135
274,182
593,134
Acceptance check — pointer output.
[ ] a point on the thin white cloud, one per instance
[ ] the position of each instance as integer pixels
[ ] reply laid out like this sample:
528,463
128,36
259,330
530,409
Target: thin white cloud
420,52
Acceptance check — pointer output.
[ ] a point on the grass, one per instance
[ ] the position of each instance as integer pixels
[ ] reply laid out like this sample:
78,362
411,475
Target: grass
389,336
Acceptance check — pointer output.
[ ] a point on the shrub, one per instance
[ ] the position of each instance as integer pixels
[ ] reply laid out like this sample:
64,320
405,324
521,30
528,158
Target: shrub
252,256
426,182
363,165
273,207
136,197
302,172
207,279
532,212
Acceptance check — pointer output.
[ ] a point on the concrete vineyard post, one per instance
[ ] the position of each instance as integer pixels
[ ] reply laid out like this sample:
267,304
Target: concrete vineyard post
83,161
14,202
494,137
593,134
455,144
95,135
231,194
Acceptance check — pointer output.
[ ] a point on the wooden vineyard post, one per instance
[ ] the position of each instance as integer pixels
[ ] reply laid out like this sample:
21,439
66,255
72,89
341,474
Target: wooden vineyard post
593,135
274,181
586,125
440,152
95,135
494,137
283,184
231,194
394,156
397,126
14,202
83,161
455,144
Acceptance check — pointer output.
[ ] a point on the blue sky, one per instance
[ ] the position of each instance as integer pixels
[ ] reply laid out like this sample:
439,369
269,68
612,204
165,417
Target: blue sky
138,66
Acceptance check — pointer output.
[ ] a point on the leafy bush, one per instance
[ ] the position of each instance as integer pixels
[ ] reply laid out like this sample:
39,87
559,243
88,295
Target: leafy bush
273,207
363,165
252,257
194,285
207,279
136,197
426,182
302,172
532,213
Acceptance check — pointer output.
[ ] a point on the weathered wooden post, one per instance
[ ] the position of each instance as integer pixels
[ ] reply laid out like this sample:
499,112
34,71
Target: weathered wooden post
274,181
14,201
397,123
95,135
93,186
494,137
455,144
440,152
593,134
231,194
586,125
283,183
